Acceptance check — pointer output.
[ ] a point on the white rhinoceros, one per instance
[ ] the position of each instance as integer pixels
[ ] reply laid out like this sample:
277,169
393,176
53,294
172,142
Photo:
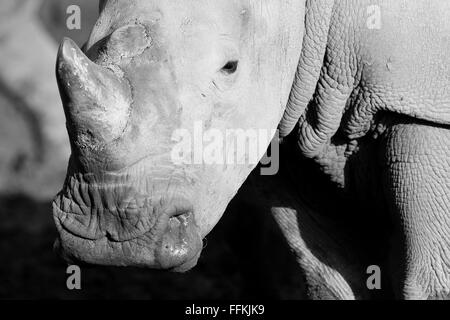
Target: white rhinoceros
369,99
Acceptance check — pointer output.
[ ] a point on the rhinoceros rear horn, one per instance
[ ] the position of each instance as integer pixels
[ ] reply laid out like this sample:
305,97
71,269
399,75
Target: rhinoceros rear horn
95,99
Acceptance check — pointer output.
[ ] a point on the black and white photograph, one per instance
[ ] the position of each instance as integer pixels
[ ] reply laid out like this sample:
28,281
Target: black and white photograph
205,151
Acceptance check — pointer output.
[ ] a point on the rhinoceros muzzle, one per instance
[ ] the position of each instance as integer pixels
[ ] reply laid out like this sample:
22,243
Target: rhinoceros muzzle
108,222
101,216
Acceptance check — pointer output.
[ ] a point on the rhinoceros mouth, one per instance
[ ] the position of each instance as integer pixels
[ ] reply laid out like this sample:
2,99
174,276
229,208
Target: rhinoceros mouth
115,225
144,224
177,254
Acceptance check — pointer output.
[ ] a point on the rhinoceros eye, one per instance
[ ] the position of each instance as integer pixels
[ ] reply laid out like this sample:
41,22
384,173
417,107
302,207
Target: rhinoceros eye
230,67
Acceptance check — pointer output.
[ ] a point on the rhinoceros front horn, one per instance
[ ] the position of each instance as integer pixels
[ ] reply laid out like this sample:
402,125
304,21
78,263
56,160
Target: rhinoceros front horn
96,100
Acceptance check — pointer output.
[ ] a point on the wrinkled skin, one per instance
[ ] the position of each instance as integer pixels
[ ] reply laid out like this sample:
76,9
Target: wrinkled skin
367,76
125,203
154,67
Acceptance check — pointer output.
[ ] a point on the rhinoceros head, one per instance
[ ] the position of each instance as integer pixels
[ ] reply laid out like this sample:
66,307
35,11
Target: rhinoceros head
158,81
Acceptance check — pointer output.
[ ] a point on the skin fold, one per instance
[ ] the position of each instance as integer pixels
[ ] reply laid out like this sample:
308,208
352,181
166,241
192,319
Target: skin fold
371,81
417,180
363,114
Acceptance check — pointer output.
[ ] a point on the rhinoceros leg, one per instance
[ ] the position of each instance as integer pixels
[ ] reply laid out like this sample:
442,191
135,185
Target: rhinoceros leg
326,270
332,266
417,158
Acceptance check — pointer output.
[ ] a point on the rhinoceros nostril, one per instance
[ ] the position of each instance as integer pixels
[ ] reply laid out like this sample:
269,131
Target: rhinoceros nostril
180,218
110,236
180,242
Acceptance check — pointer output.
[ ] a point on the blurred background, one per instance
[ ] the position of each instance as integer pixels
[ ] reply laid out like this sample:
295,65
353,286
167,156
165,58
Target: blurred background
239,261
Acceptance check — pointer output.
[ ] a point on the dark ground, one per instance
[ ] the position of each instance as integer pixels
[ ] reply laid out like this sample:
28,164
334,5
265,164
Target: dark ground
237,262
29,269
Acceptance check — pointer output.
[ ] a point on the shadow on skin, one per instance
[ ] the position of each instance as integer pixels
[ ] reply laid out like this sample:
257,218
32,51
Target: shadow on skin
362,232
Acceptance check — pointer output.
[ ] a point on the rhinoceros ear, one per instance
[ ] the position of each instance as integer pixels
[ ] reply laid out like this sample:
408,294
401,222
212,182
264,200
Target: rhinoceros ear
95,99
317,24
